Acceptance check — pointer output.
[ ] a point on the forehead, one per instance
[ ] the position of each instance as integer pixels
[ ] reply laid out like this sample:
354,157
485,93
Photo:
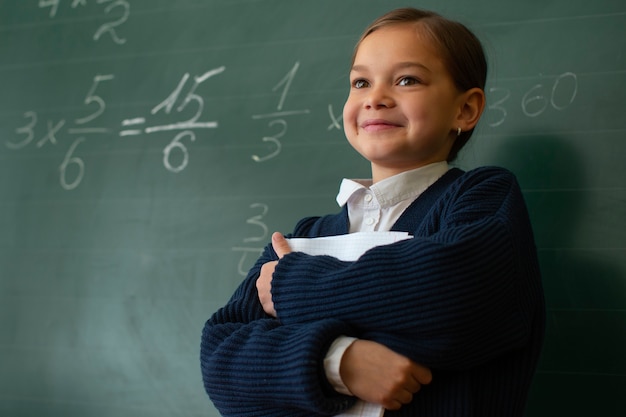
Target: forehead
406,41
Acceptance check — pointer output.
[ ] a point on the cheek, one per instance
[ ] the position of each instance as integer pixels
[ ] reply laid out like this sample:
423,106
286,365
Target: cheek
349,118
350,109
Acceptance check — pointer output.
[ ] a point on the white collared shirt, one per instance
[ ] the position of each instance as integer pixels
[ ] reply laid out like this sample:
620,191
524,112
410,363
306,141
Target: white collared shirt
376,207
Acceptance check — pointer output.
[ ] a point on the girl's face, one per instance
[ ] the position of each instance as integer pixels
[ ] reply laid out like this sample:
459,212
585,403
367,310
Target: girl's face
403,105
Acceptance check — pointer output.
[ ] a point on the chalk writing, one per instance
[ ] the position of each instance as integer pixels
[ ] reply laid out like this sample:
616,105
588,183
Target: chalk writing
92,98
242,266
130,127
186,126
54,128
28,129
50,136
536,101
278,116
108,27
335,120
71,160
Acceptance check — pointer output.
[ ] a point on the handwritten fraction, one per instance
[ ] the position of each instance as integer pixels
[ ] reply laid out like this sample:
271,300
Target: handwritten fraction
118,12
278,118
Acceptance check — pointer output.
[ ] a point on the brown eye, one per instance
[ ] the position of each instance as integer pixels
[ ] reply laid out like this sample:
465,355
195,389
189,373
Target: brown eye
408,81
360,83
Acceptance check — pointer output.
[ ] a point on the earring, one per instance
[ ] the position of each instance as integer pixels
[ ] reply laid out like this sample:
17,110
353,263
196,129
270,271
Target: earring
458,131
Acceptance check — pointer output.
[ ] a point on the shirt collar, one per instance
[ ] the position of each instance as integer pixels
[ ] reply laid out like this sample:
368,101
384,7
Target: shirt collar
392,190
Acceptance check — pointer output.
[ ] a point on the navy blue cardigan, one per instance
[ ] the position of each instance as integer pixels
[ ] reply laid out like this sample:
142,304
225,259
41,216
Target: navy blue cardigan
463,297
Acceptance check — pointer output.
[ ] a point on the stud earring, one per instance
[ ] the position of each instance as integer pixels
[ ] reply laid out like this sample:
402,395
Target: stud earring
458,131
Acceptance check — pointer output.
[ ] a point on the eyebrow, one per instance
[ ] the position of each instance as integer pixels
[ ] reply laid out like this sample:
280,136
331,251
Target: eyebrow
401,65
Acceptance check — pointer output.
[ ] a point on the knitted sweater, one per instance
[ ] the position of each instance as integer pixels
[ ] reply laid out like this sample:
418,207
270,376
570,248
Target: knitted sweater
462,297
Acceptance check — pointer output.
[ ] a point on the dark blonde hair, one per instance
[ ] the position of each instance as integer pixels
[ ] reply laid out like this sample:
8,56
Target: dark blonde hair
460,51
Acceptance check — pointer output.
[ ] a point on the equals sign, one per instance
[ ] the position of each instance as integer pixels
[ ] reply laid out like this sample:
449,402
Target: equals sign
132,122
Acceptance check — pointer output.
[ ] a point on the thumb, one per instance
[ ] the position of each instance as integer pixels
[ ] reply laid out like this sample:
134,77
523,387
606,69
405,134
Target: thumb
280,244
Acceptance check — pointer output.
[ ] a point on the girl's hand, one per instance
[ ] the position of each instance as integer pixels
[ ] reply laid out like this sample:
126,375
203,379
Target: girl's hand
376,374
264,282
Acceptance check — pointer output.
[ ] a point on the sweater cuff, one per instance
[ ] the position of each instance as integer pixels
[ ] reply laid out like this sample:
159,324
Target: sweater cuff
332,363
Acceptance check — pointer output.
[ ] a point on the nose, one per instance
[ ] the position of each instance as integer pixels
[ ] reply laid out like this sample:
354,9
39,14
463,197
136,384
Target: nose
379,97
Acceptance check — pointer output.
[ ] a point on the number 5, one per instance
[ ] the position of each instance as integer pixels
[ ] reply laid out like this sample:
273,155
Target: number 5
91,98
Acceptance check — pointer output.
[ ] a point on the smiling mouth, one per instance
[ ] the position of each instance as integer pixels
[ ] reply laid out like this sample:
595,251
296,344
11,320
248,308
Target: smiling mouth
377,125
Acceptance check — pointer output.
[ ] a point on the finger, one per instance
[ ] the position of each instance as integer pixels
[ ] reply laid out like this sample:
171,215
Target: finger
422,374
264,288
404,397
391,403
413,385
280,244
399,399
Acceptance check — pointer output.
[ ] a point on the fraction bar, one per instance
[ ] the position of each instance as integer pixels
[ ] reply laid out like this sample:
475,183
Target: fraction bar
279,114
182,125
131,132
81,130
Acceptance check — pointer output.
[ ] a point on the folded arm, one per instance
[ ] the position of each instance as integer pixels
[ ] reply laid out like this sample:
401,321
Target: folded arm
453,297
250,361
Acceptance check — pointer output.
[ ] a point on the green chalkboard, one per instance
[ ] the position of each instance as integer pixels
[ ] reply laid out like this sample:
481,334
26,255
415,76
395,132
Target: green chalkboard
149,147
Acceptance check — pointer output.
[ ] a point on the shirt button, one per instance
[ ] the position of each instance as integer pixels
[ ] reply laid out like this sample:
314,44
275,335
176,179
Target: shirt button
368,198
370,221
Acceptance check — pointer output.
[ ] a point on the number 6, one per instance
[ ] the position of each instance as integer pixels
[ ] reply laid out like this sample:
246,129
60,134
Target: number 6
69,159
177,144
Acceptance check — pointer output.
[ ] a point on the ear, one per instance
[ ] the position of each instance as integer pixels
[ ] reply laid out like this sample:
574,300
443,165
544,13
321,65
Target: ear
472,104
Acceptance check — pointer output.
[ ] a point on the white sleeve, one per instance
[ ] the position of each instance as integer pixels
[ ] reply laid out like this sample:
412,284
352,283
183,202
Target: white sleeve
332,362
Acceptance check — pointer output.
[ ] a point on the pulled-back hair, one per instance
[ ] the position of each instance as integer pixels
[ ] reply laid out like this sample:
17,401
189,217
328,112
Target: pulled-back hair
459,49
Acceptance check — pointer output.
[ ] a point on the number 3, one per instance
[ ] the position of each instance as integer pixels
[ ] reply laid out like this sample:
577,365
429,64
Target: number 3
27,130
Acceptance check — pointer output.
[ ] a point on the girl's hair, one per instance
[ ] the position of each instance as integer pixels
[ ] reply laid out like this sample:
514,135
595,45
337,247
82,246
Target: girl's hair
459,49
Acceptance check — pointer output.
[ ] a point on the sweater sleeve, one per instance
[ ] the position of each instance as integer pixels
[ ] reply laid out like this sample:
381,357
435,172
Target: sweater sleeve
251,362
458,294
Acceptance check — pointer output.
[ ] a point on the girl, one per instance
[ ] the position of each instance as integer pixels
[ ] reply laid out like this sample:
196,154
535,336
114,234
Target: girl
447,323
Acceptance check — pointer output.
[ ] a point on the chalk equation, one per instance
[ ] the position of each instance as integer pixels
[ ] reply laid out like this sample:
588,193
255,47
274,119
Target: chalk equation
185,94
117,12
